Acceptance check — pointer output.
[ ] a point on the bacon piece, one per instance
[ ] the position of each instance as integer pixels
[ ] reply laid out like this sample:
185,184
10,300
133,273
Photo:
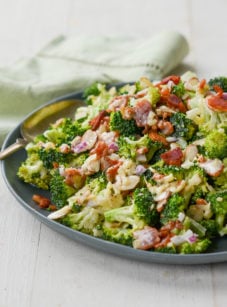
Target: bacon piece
141,111
73,177
174,78
173,156
96,121
158,138
173,101
216,103
101,149
146,238
112,171
42,201
165,127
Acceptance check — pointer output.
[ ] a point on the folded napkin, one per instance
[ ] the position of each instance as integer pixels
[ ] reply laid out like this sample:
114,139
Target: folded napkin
68,64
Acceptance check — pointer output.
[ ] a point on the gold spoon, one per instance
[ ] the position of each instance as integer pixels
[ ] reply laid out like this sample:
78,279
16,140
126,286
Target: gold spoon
38,121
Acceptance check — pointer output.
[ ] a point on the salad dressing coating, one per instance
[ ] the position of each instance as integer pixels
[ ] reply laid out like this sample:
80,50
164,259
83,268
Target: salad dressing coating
143,165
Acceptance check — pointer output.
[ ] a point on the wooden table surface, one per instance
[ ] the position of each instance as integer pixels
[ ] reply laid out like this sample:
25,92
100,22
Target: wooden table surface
41,268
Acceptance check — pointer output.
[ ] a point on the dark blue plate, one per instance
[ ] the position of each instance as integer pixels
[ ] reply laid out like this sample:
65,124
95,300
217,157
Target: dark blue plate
23,193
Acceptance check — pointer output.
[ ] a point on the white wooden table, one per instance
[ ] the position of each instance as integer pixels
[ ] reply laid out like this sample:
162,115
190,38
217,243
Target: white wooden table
41,268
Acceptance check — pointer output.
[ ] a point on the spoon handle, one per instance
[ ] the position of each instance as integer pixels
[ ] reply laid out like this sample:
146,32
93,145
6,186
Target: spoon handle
20,143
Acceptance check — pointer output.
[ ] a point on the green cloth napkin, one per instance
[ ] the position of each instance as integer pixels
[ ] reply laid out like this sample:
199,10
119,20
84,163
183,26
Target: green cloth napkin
68,64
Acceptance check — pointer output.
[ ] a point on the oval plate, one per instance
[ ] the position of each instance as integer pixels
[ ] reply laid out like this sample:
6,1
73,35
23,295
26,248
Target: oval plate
23,193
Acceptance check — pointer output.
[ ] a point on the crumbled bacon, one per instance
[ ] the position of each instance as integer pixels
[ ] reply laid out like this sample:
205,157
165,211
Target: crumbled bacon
175,79
101,149
156,137
141,111
96,121
165,127
43,202
173,156
174,102
146,238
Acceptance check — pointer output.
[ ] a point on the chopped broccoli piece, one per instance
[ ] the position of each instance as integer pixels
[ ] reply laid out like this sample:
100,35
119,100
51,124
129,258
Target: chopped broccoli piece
65,131
211,227
125,216
183,126
145,207
92,90
218,202
147,177
33,172
178,173
166,249
114,233
141,212
153,95
78,160
59,190
220,81
216,144
128,148
198,247
190,223
123,126
220,182
97,182
178,89
98,96
175,205
88,220
50,156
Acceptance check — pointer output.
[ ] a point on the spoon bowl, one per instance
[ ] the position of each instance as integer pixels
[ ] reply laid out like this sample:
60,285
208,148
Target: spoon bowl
39,120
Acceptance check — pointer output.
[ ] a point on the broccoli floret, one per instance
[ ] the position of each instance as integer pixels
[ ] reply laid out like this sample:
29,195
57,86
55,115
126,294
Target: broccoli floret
183,126
59,190
175,205
218,202
153,95
50,156
178,89
33,171
190,223
211,227
147,177
141,212
178,173
97,182
166,249
92,90
125,216
123,126
220,182
98,96
118,234
199,193
198,247
128,148
64,131
145,207
216,144
220,81
88,220
78,160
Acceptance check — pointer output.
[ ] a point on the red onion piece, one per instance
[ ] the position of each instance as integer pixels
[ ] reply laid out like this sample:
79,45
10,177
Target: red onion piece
140,169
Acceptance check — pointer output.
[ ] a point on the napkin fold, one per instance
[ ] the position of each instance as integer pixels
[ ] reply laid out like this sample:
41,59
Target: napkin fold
68,64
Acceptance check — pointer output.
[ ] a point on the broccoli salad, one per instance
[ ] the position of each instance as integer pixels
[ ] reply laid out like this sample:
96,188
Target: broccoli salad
143,165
